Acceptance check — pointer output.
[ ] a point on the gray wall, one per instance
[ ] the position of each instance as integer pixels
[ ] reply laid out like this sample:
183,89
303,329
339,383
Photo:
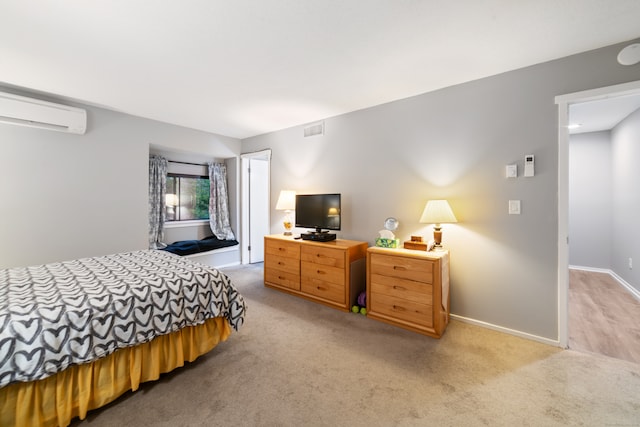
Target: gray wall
590,198
626,199
454,143
67,196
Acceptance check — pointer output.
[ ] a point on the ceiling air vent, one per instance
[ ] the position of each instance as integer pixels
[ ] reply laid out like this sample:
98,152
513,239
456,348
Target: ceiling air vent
315,129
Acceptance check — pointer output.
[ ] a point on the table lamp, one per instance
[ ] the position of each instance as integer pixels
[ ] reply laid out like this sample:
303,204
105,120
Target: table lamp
437,212
287,203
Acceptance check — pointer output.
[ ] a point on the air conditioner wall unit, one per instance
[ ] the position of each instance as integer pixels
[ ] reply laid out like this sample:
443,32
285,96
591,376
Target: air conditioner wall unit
23,111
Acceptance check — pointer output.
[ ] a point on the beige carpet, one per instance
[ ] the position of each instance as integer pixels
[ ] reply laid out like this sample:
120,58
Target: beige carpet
296,363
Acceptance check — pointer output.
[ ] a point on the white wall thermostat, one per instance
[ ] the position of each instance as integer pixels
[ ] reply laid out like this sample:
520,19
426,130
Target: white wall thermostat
528,165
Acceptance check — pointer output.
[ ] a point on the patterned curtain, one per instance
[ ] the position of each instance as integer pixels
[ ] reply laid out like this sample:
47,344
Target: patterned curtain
157,192
219,202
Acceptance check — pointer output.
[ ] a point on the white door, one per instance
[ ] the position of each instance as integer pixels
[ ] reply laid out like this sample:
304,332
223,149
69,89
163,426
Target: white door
255,204
258,208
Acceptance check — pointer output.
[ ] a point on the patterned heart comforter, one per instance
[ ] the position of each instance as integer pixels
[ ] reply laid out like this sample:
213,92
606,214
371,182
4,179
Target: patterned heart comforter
56,315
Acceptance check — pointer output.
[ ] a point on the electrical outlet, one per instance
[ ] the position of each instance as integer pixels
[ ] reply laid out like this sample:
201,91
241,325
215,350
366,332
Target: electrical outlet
630,263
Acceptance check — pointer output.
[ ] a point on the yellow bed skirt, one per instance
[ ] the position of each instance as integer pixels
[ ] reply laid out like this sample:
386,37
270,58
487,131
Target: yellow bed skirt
56,400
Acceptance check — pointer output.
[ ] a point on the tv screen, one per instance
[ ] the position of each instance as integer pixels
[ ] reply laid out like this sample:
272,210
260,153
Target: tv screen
318,211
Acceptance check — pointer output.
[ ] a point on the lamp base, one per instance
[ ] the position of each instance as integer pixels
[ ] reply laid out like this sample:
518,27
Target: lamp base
288,225
437,235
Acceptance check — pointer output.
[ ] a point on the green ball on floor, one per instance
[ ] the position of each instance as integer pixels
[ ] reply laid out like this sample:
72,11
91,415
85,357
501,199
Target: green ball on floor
363,310
355,309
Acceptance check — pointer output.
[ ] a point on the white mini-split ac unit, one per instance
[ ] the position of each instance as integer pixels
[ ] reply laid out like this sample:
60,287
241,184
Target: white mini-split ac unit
23,111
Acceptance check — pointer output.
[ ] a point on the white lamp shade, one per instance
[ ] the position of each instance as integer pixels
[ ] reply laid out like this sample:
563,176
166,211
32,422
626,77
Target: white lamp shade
437,212
286,201
171,200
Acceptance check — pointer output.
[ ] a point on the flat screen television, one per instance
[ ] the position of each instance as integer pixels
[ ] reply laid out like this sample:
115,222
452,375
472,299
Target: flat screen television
318,211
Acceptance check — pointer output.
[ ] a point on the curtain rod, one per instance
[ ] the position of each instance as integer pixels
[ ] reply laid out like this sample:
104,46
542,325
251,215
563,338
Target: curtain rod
187,163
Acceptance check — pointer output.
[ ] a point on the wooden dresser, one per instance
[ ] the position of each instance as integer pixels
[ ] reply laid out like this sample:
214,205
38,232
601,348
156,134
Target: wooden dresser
331,273
409,288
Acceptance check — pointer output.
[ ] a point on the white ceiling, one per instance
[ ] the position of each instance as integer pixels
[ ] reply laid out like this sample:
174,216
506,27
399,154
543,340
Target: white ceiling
603,114
246,67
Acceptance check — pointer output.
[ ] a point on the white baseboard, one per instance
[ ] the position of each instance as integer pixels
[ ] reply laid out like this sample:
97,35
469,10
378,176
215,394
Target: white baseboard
592,269
555,343
633,291
626,285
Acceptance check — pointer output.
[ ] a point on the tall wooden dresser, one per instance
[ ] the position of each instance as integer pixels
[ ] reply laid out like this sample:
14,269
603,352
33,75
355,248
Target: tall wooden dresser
409,288
331,273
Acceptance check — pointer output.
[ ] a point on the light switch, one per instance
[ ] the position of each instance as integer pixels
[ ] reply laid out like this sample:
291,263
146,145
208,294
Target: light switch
514,207
512,171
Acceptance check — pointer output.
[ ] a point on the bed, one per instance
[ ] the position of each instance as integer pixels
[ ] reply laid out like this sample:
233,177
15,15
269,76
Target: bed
76,335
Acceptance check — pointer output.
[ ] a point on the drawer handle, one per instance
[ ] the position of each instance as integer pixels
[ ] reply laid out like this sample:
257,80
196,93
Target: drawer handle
399,267
280,263
320,288
398,308
320,272
400,288
281,249
281,278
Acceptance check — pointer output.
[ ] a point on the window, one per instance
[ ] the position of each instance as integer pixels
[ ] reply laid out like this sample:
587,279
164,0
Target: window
187,197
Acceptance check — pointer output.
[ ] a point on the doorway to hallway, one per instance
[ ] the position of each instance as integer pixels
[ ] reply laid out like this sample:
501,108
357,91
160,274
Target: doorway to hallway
256,189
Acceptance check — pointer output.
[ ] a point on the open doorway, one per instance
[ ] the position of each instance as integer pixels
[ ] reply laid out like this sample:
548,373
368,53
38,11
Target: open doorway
255,204
574,108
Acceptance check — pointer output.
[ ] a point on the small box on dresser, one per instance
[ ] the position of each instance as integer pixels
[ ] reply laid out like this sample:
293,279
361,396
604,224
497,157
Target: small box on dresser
409,289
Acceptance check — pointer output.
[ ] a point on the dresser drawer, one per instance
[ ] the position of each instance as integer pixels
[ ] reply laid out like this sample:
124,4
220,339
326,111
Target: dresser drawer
410,290
325,273
323,256
419,270
401,309
282,278
282,248
323,289
323,281
278,262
